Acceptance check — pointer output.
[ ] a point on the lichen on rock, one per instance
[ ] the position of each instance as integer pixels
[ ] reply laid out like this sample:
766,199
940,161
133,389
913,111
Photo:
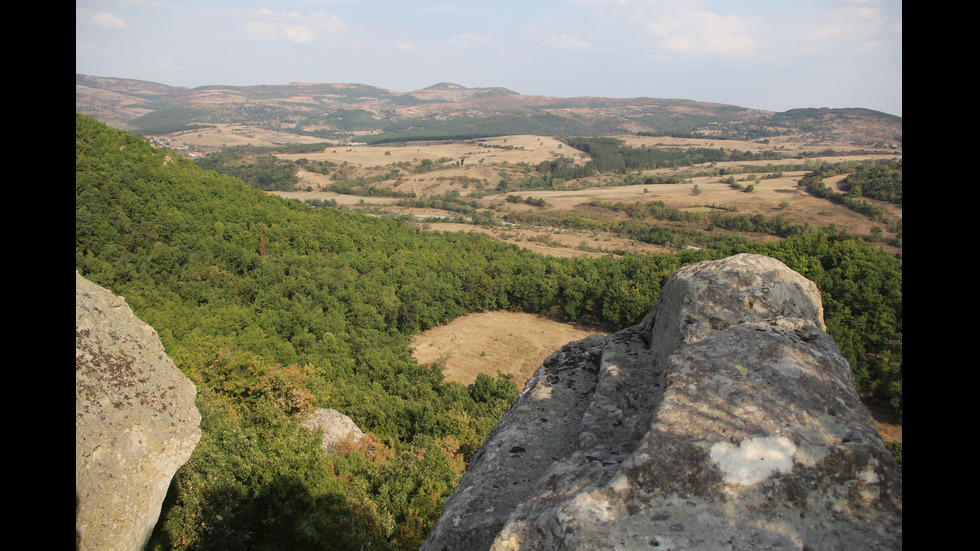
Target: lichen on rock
135,422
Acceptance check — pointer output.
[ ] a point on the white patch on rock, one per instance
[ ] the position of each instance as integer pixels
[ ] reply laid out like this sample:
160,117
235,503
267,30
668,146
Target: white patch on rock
753,460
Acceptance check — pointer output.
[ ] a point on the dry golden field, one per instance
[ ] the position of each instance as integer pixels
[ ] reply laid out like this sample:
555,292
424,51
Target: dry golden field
487,342
512,149
465,167
220,136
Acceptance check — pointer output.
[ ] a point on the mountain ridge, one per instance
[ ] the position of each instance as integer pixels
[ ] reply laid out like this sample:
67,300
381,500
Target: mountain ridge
448,110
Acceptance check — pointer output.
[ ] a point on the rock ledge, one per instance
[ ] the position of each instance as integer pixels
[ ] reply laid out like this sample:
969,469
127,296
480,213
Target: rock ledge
726,420
135,422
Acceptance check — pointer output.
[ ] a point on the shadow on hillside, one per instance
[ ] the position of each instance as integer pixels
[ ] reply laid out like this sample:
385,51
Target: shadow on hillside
587,322
280,514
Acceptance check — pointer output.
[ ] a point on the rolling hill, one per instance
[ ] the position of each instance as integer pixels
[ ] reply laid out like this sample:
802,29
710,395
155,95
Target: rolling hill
446,110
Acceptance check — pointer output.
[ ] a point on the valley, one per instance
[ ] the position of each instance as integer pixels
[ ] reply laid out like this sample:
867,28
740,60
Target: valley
725,173
705,188
470,168
502,162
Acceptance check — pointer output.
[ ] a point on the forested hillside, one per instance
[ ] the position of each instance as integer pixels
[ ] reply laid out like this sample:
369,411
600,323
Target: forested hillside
273,308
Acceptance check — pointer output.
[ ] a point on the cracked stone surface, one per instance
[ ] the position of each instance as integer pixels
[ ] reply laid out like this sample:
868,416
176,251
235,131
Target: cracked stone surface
727,419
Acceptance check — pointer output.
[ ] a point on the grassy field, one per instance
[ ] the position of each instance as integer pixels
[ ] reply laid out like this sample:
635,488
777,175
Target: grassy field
512,343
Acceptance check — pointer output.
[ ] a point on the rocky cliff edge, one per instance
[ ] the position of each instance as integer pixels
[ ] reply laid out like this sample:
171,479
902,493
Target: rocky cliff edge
727,420
135,422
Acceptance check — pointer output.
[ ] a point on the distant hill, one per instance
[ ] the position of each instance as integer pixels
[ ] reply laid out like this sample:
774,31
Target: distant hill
451,111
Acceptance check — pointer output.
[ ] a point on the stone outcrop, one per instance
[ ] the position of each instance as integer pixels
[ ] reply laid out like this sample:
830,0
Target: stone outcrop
335,426
726,420
135,422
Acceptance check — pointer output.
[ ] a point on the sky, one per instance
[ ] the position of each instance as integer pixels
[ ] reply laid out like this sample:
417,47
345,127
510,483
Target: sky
763,54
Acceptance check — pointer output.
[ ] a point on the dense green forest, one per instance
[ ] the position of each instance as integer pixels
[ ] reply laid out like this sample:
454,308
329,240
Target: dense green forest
881,180
272,308
613,155
265,172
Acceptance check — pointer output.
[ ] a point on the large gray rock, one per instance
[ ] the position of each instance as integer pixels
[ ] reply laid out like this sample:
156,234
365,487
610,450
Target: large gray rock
726,420
135,422
335,427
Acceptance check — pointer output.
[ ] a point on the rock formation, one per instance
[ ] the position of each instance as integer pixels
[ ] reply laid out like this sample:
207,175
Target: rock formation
335,426
726,420
135,422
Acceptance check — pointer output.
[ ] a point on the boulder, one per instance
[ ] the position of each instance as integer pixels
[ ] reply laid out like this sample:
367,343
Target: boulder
135,422
727,419
335,427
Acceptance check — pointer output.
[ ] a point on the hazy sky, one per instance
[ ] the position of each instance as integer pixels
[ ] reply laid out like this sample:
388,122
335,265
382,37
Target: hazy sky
765,54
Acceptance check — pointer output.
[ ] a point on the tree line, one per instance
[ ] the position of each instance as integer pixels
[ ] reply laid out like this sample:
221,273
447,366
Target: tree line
881,179
612,155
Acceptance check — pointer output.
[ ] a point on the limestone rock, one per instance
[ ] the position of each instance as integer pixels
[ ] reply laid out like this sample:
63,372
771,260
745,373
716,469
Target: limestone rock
335,426
726,420
135,422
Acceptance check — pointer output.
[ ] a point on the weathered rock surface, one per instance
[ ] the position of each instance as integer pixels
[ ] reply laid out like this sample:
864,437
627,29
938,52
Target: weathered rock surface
335,426
726,420
135,422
